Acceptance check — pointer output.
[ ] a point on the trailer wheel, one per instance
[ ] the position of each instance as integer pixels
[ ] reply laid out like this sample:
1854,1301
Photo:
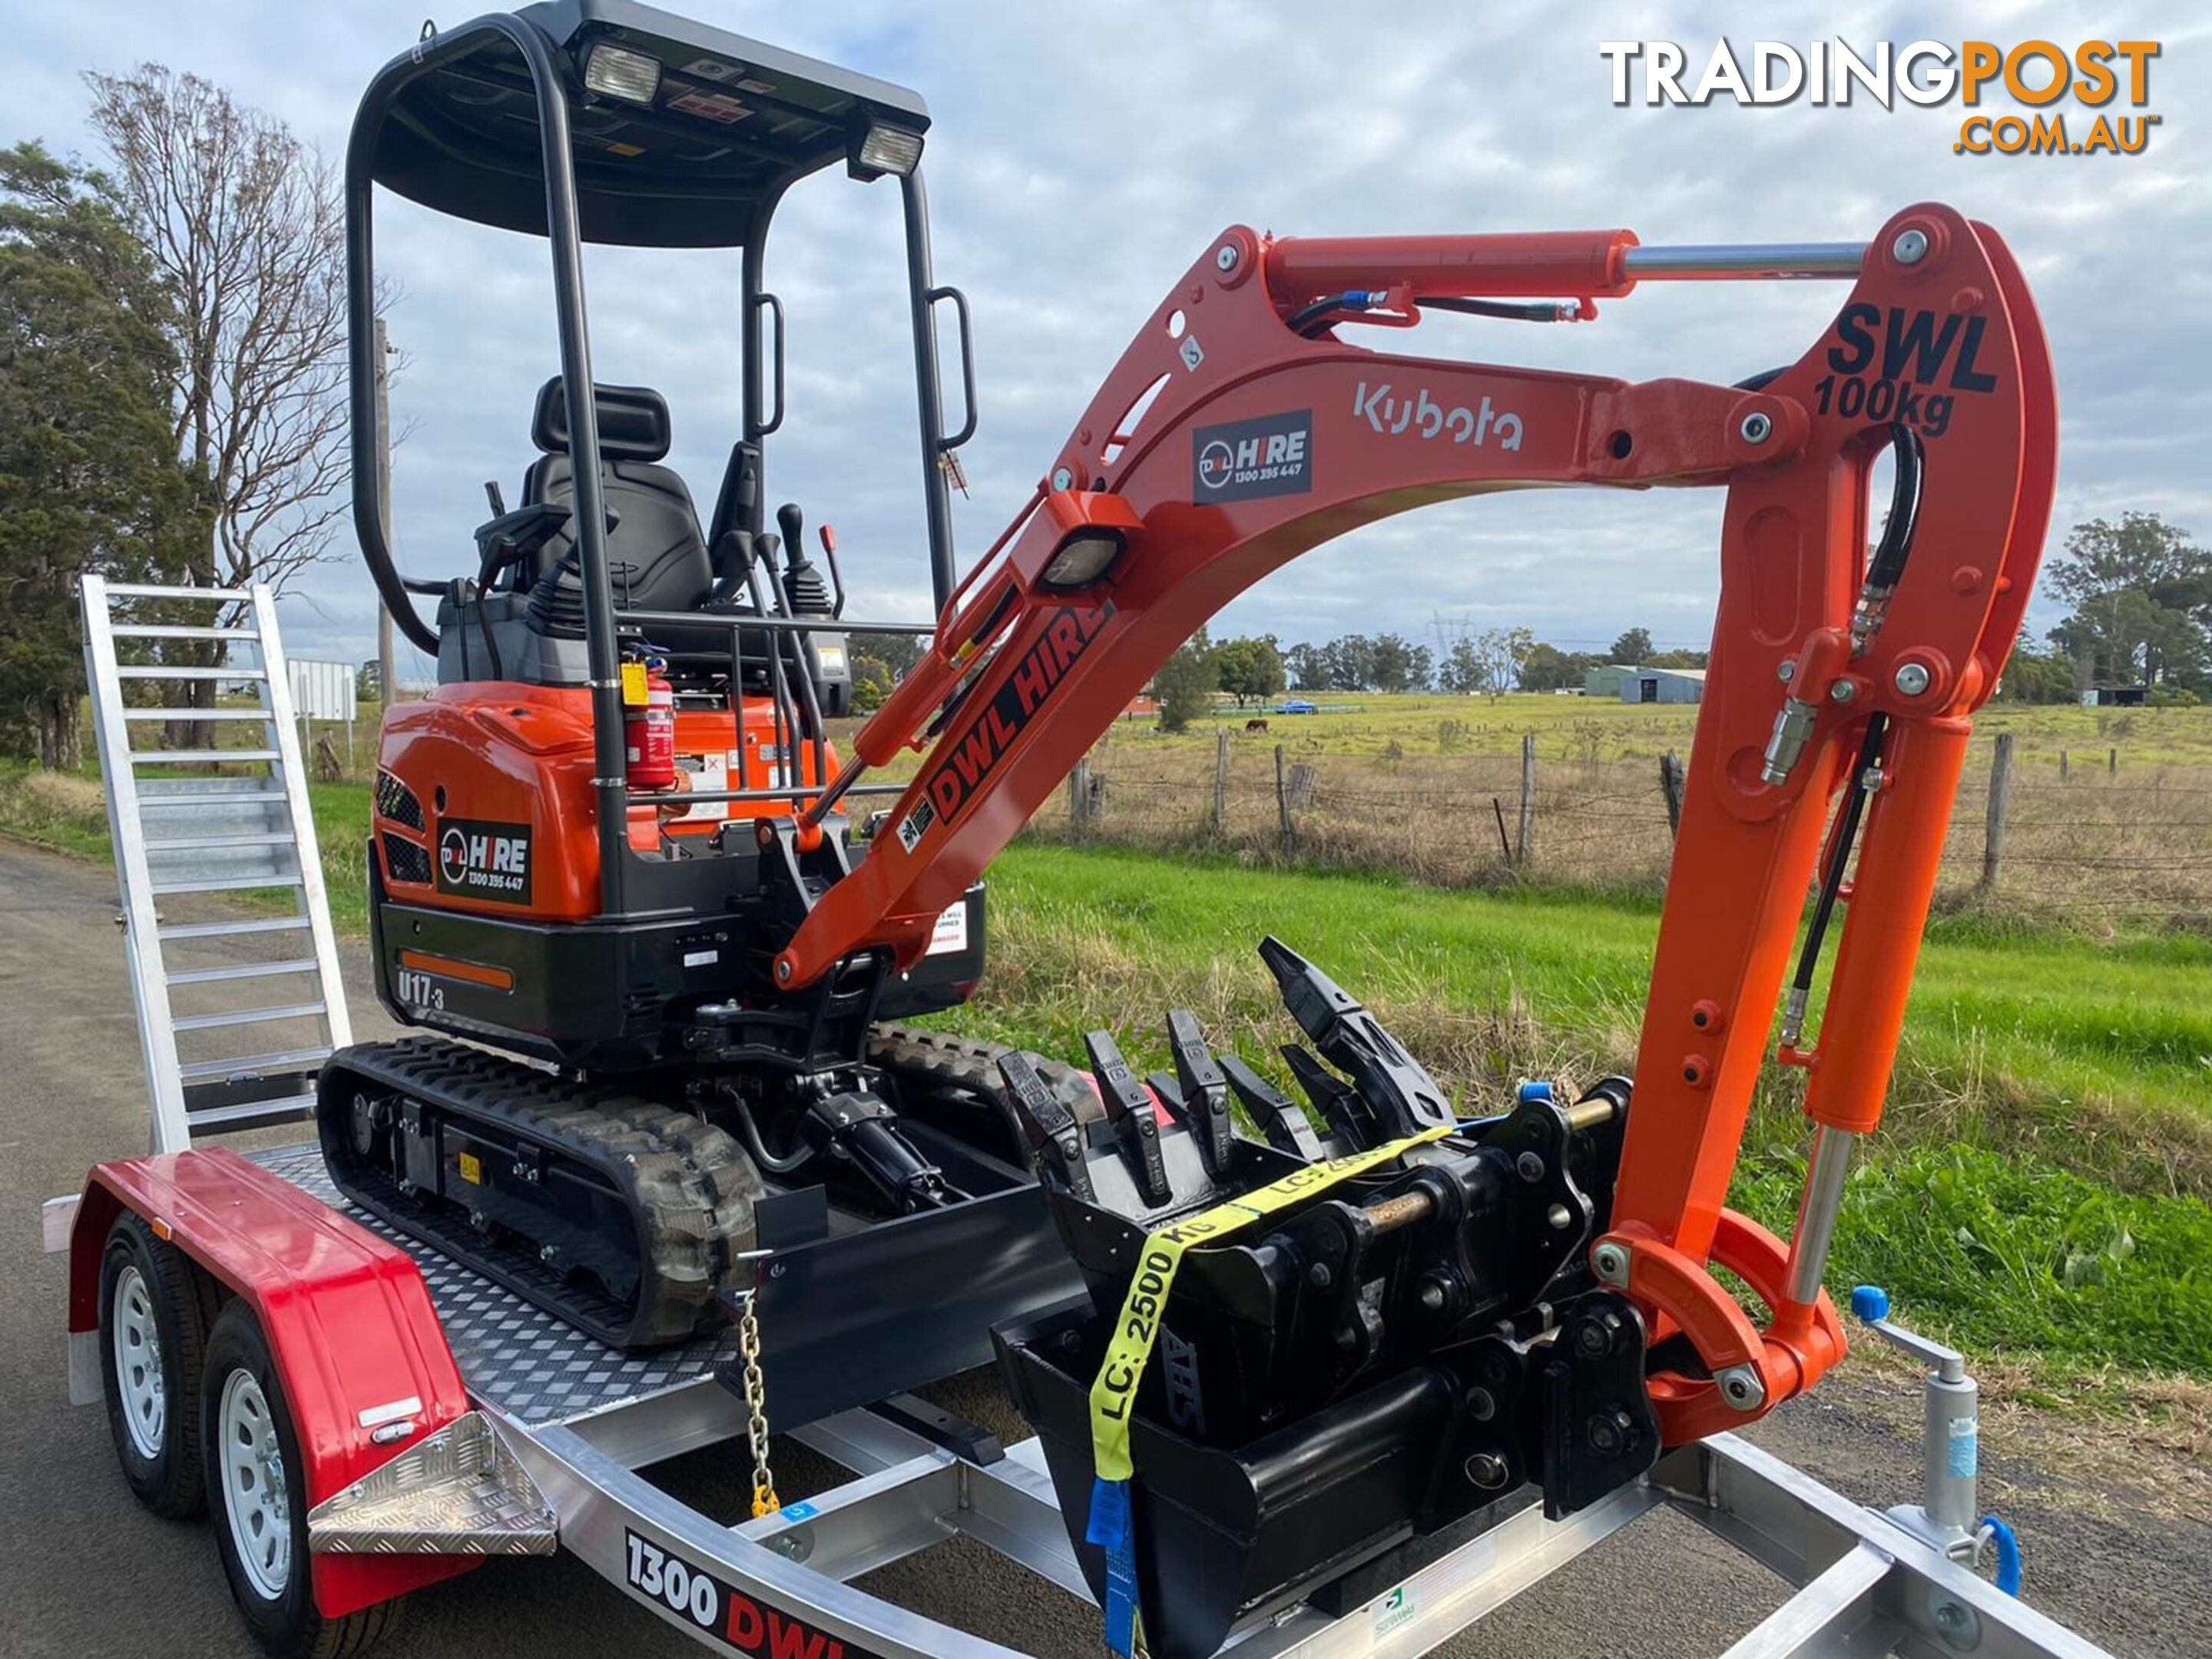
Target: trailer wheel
154,1310
257,1487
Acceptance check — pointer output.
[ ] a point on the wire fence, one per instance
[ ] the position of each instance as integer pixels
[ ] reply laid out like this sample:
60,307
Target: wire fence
2102,846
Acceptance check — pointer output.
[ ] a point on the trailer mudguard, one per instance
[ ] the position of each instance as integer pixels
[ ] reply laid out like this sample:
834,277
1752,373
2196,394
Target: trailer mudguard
347,1315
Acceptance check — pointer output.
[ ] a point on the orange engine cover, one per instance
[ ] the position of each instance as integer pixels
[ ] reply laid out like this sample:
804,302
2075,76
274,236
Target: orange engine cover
485,798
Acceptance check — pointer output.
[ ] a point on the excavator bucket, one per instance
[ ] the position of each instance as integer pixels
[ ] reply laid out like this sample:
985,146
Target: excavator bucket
1312,1359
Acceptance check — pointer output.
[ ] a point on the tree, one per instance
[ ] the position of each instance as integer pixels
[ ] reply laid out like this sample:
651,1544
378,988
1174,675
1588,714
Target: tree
1550,669
1462,668
246,226
89,481
1500,653
2126,637
2034,676
1351,663
896,652
1632,649
873,680
369,682
1391,664
1185,684
1307,666
2142,594
1249,668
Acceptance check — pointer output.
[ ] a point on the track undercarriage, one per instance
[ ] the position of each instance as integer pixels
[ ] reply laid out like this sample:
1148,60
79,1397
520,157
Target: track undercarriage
627,1204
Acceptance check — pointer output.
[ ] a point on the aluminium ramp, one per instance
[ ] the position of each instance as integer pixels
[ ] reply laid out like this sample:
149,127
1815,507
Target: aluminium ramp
236,1013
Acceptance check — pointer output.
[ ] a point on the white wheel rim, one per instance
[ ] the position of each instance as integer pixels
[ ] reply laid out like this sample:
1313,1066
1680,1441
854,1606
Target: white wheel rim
138,1379
255,1499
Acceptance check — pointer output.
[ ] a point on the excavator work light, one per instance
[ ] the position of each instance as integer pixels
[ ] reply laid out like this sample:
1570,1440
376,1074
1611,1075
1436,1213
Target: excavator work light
1095,526
885,149
1082,559
618,72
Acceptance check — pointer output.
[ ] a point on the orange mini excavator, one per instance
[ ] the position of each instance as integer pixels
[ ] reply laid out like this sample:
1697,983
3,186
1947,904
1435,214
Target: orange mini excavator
614,842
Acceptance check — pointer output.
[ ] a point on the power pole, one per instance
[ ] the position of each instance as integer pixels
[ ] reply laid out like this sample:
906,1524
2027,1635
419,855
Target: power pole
387,687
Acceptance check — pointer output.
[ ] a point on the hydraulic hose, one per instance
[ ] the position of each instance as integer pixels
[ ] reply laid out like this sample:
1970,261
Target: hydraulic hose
1896,544
1832,878
1309,320
1884,570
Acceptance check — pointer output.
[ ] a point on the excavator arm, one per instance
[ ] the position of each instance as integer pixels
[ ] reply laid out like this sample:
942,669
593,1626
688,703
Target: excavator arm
1240,429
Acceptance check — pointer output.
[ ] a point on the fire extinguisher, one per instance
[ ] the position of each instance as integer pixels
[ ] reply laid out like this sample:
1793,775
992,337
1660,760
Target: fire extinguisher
649,725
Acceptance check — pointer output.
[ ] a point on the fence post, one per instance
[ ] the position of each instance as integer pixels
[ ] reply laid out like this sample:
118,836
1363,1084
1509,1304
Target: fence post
1670,785
2112,763
1221,782
1079,797
2000,794
1524,839
1282,804
2064,766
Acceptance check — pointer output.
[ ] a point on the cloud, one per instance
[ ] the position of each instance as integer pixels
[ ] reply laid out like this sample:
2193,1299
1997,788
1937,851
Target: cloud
1081,157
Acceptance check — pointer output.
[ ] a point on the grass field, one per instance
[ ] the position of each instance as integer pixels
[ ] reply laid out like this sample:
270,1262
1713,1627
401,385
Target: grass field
2117,839
2038,1186
1568,727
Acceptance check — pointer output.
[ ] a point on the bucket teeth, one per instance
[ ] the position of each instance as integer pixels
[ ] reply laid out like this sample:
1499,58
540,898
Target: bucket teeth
1403,1098
1275,1112
1129,1108
1337,1102
1174,1143
1053,1133
1203,1092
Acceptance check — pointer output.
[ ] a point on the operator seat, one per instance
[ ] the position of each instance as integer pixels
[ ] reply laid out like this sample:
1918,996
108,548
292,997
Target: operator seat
656,555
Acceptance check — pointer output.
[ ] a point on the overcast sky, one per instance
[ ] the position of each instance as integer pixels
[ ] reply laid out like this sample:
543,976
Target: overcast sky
1082,156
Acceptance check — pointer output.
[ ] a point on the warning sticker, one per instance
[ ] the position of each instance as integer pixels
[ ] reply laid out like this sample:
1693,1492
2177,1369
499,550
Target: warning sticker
950,936
709,774
915,824
712,107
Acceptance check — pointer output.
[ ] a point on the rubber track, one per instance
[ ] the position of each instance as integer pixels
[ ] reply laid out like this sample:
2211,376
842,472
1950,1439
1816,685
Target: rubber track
940,1063
691,1186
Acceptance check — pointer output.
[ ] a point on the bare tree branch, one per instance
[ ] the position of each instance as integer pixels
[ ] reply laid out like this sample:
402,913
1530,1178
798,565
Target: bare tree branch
247,224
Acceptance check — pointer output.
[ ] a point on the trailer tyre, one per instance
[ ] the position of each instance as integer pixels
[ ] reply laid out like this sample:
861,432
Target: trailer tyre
155,1308
256,1488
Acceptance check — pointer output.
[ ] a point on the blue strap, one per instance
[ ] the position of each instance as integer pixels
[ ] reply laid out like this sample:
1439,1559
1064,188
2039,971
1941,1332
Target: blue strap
2008,1548
1110,1527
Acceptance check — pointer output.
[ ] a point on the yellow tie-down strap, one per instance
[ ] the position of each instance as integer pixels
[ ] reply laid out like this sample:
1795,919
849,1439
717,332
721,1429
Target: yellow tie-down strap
1114,1394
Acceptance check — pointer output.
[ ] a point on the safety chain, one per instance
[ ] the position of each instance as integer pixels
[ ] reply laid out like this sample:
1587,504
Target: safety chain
765,1502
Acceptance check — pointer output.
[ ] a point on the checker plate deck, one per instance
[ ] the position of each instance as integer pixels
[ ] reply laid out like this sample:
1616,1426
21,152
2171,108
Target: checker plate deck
520,1359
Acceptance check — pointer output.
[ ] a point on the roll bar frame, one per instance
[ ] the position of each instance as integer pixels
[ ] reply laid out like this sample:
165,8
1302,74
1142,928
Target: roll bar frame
602,618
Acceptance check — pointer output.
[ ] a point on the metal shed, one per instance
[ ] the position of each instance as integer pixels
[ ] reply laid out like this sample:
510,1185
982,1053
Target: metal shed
1662,685
1605,680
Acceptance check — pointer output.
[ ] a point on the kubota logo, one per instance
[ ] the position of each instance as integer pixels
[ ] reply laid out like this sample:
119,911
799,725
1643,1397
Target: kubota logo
1423,415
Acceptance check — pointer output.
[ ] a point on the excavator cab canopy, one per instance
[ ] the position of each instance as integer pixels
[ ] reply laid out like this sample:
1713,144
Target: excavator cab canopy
683,136
611,122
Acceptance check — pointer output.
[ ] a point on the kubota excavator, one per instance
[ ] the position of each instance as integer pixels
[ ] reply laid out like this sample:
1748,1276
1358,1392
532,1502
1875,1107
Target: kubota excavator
614,842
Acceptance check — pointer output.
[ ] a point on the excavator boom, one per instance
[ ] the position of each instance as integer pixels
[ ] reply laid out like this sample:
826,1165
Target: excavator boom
1240,429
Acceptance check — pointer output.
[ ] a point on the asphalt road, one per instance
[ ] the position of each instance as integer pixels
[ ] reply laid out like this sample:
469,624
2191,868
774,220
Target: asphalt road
2117,1547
